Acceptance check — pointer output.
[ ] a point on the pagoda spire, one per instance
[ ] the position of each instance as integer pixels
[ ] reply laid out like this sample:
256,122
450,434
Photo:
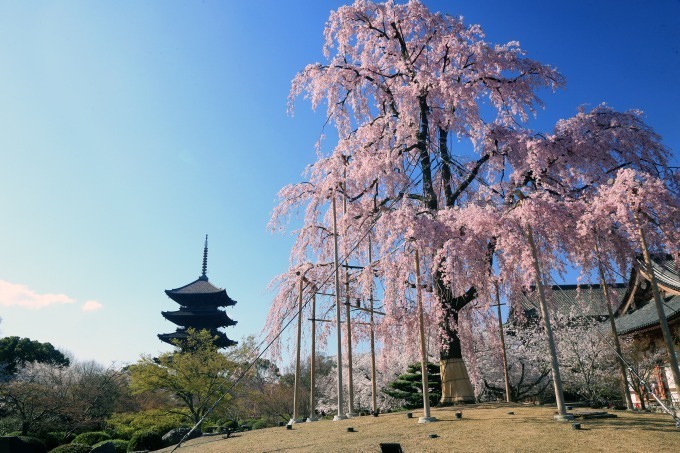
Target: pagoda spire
200,307
205,259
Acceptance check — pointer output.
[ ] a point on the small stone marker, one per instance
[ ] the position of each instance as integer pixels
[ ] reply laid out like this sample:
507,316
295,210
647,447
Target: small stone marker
511,413
433,436
350,429
289,426
409,415
576,425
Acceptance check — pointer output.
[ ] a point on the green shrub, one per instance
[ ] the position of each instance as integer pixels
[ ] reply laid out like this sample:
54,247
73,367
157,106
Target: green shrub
72,448
145,440
231,424
33,443
54,439
23,444
91,438
124,425
260,424
120,445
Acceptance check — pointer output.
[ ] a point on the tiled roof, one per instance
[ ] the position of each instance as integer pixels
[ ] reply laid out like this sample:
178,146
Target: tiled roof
199,286
222,340
665,272
647,316
586,300
200,292
199,317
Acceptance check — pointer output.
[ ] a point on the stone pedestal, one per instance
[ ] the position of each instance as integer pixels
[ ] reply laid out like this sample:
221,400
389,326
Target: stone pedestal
456,385
427,419
564,418
339,417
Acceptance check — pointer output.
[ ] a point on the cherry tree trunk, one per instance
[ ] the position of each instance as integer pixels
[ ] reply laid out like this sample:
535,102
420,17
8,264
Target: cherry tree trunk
456,384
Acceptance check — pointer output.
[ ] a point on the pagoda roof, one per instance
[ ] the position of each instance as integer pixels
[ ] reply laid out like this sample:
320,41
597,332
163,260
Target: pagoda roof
199,308
567,300
200,292
199,317
222,340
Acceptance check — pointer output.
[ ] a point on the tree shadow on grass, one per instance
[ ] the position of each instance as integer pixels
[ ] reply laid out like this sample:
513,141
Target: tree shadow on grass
656,424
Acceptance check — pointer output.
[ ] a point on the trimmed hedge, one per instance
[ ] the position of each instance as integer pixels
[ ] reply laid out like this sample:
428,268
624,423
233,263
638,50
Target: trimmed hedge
91,438
23,444
117,445
260,424
53,440
145,440
125,425
72,448
34,442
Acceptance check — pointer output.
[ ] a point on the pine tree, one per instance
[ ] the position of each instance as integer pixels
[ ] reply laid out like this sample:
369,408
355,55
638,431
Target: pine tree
408,386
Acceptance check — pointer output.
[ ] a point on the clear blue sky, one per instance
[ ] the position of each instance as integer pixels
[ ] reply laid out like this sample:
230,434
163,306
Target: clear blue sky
130,129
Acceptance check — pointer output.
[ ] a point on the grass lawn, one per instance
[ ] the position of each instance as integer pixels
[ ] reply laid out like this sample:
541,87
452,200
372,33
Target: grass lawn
484,427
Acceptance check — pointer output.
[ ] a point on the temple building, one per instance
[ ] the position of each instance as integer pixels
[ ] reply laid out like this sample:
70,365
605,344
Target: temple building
635,315
200,305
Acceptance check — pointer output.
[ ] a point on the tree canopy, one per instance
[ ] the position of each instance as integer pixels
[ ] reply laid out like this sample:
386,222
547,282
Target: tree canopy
403,87
196,374
16,352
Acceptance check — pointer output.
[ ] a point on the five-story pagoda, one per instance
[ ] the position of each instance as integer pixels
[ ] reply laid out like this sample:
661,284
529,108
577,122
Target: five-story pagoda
200,303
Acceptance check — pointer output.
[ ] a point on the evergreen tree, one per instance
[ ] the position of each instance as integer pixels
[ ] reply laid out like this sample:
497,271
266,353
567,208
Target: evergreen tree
409,387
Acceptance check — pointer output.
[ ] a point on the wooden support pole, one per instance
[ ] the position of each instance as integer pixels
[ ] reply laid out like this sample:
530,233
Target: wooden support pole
374,401
296,387
338,312
312,371
545,314
508,394
423,348
554,364
348,317
615,335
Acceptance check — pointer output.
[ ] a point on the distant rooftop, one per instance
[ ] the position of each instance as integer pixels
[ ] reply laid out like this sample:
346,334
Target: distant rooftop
586,300
646,316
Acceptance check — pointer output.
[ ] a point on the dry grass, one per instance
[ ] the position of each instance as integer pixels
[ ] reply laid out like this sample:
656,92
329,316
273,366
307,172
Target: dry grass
486,427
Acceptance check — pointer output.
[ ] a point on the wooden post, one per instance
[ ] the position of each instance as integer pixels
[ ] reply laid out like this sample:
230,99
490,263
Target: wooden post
348,319
423,348
312,371
615,335
338,312
672,358
508,394
554,364
557,380
374,400
296,387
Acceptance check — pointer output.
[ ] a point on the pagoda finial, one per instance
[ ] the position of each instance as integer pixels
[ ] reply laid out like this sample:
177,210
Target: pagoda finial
205,258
